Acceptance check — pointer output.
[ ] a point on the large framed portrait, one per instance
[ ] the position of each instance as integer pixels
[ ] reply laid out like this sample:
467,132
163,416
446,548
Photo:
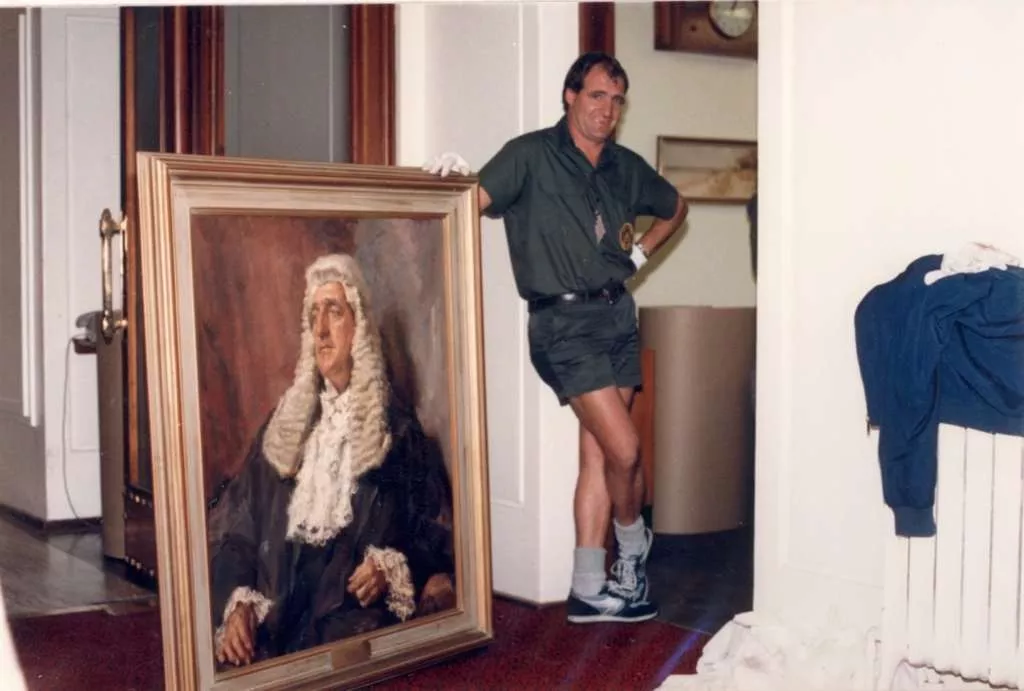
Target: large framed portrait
313,339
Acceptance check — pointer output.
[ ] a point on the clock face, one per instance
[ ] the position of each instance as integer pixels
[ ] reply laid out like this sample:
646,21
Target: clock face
732,18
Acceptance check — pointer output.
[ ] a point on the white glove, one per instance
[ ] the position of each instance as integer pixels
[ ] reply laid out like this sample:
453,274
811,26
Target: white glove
446,163
638,256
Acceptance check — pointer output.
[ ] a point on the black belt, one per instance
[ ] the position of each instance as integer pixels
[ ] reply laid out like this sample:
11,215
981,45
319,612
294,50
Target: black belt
610,294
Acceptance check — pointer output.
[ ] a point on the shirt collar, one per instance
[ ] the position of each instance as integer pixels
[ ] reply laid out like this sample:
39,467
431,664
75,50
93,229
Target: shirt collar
608,152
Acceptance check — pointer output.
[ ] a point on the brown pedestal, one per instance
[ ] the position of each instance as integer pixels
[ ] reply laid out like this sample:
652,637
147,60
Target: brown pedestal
703,416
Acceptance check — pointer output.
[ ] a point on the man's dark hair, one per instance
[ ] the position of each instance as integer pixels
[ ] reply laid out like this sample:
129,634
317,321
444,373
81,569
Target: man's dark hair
581,68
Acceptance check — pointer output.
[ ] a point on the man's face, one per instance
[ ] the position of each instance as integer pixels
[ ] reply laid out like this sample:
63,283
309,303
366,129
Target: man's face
595,110
333,325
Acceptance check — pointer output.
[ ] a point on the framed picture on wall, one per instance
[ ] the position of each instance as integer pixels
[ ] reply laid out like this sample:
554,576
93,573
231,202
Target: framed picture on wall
709,170
315,368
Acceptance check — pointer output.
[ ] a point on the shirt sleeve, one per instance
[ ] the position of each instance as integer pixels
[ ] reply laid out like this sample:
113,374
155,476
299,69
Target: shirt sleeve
503,177
657,196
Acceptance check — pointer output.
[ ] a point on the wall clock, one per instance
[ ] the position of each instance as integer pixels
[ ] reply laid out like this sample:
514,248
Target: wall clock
733,18
724,27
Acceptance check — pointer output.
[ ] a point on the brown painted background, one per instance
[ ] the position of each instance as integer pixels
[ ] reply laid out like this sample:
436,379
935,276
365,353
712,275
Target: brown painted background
249,282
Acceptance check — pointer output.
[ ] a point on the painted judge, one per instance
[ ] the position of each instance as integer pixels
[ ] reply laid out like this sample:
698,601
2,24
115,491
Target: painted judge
339,521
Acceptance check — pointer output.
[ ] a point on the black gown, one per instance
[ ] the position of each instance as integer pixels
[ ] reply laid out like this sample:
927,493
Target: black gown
400,505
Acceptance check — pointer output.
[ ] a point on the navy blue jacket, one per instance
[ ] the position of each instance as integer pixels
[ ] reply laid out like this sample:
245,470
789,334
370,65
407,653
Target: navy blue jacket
951,352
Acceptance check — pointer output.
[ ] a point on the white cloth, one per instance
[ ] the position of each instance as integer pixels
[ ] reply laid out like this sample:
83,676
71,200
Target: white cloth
973,257
446,164
12,678
910,678
749,654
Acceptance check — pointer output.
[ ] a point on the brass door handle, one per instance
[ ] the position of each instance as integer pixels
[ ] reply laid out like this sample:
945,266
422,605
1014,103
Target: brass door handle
111,320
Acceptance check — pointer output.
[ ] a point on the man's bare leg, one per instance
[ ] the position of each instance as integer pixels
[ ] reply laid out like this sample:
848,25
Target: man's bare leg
592,509
606,483
604,417
592,505
609,483
592,502
610,478
638,484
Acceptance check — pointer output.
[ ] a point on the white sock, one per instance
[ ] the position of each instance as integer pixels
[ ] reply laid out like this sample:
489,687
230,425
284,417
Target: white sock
632,539
588,575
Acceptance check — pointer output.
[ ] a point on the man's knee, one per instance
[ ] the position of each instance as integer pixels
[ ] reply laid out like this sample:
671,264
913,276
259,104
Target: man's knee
623,453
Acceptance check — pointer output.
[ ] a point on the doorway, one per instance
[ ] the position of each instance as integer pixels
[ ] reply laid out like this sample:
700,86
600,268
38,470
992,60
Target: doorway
693,93
188,83
290,82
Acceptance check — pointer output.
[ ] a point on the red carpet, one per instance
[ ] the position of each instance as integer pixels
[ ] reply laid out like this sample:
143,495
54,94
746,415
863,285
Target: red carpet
91,650
538,649
533,649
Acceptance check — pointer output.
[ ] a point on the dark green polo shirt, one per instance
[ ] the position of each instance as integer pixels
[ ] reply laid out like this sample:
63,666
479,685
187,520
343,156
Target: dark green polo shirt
549,196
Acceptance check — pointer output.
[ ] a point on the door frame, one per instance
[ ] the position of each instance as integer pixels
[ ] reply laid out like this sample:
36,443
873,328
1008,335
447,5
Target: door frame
191,112
597,27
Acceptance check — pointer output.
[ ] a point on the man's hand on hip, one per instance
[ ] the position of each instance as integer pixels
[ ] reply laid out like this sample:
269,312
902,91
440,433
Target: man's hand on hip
447,163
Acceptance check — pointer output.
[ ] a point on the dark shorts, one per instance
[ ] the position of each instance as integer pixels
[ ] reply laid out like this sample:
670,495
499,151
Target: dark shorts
582,347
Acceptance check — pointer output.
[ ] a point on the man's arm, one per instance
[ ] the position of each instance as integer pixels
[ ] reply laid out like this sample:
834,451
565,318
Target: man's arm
657,197
663,228
504,174
483,199
238,605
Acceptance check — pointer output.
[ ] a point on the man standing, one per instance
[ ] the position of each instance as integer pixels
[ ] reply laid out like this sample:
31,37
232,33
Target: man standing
569,196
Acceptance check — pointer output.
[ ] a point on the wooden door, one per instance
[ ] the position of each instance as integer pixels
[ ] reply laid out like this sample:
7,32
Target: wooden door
171,75
173,100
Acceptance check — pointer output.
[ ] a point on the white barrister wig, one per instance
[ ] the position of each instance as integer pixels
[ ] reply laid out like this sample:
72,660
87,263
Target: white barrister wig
368,391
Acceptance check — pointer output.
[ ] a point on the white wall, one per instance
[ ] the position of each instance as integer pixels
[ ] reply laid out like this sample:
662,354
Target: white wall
23,485
59,167
689,95
470,77
883,138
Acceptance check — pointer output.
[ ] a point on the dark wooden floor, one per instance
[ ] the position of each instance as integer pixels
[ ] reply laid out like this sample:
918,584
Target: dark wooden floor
533,648
45,575
702,581
699,581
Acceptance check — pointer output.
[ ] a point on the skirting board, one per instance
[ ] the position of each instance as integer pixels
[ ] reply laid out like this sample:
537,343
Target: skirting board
44,528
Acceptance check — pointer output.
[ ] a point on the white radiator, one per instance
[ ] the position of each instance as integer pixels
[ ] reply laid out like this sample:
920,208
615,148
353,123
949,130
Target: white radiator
953,603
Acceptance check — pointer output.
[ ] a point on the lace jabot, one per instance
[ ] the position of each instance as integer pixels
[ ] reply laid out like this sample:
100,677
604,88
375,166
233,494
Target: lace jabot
321,504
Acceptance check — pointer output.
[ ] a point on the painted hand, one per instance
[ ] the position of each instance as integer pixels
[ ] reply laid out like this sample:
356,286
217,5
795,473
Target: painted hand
367,583
438,595
446,163
238,644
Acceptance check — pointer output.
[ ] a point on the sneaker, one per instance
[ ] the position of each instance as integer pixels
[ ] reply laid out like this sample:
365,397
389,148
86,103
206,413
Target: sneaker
630,573
606,606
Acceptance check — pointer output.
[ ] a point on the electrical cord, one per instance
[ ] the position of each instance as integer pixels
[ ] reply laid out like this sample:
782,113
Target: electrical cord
64,427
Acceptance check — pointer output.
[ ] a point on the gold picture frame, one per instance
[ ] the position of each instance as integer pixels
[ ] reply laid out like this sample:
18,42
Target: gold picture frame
709,170
223,245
